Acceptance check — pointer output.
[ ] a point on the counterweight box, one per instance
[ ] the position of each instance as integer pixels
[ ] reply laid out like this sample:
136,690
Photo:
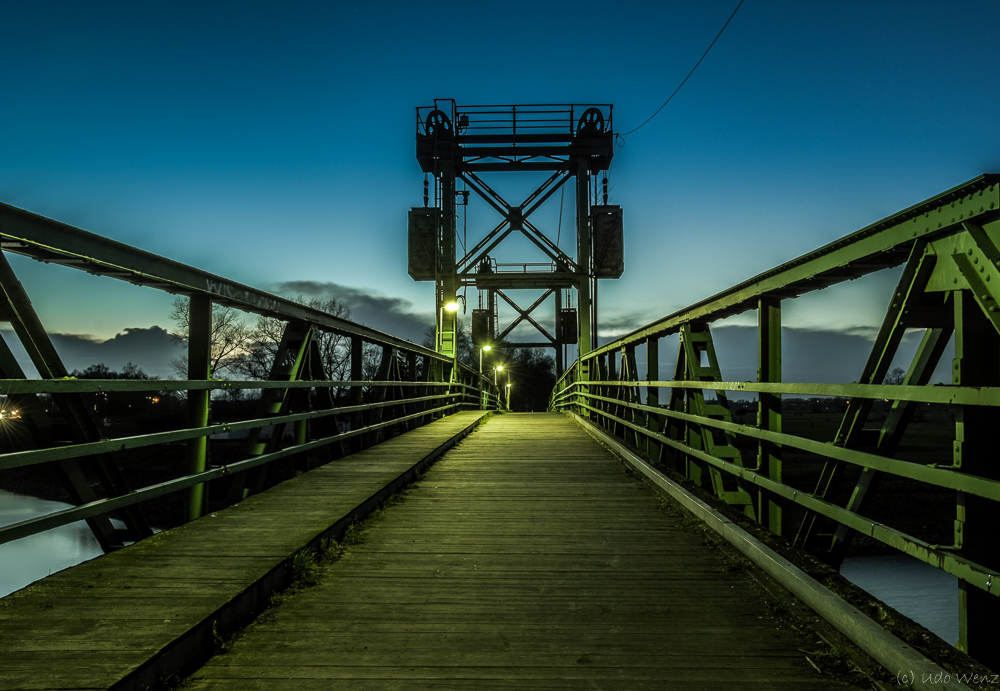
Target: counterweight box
609,251
422,242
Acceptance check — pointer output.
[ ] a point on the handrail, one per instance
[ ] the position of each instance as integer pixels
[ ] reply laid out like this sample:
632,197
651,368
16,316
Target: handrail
881,245
950,245
409,385
50,241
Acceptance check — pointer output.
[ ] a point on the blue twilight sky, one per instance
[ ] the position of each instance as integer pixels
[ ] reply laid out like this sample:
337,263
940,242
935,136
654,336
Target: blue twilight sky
273,143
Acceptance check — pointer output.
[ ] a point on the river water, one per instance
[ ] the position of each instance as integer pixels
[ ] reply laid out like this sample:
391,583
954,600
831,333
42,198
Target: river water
925,594
28,559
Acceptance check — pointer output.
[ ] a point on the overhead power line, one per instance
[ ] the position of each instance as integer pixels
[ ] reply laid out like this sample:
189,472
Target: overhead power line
691,72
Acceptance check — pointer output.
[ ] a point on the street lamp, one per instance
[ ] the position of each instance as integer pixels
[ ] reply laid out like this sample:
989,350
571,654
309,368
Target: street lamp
496,386
451,306
486,348
482,390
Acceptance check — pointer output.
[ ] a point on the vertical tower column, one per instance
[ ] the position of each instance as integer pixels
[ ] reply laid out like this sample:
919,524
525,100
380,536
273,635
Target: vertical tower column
447,278
584,257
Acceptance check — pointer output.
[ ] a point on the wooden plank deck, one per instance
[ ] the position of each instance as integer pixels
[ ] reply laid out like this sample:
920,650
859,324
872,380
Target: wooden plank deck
525,558
134,616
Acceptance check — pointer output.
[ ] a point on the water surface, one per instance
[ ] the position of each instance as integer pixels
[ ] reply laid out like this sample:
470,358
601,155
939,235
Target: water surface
28,559
927,595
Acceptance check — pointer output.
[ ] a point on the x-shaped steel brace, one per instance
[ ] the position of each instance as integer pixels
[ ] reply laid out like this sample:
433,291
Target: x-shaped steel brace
515,218
525,315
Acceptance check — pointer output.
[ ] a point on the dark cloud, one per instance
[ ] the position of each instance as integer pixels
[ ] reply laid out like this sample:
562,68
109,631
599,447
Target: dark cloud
392,315
151,349
814,355
808,355
616,325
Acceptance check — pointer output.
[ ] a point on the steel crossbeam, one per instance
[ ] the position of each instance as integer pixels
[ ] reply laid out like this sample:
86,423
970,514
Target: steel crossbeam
46,240
949,287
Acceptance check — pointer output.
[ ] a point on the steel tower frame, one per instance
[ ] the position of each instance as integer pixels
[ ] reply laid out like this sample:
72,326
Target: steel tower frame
463,142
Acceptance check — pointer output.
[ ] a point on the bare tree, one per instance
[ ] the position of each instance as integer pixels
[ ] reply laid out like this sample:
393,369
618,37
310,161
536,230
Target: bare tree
262,342
229,337
896,376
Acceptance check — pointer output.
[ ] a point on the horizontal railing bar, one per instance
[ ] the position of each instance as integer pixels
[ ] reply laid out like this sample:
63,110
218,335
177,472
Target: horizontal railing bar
945,394
47,240
30,386
969,571
20,459
940,477
31,526
841,260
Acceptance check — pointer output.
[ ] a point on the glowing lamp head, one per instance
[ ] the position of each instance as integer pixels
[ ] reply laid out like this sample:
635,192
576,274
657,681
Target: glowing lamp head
451,306
487,348
499,368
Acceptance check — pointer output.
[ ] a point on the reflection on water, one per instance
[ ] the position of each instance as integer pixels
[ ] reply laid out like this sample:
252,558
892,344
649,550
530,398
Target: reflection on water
30,558
927,595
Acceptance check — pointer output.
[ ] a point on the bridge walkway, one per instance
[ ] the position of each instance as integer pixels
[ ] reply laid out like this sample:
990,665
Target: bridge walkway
525,558
133,617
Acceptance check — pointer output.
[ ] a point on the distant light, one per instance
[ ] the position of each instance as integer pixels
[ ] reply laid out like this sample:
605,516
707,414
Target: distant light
451,306
487,347
499,368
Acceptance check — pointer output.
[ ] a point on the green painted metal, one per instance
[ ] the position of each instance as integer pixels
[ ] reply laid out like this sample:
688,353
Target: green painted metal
19,459
199,367
77,479
299,392
977,343
46,240
100,507
950,285
879,246
932,474
652,392
985,579
769,407
456,142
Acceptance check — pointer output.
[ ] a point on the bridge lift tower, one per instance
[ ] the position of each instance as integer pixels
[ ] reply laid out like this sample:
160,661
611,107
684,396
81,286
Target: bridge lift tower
464,142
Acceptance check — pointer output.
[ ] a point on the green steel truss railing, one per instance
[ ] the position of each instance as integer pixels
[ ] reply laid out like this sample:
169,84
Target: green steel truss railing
820,493
408,385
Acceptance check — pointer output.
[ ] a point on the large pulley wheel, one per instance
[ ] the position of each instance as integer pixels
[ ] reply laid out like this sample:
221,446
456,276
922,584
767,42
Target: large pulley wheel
591,122
437,122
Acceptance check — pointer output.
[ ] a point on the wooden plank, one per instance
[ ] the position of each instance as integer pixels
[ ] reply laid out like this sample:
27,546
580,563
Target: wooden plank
117,617
526,558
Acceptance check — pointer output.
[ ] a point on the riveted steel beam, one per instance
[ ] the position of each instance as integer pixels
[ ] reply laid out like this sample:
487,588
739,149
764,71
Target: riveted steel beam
883,244
46,240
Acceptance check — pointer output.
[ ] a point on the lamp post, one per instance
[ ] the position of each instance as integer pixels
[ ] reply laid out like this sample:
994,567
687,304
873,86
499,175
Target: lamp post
496,385
508,395
482,389
451,306
487,348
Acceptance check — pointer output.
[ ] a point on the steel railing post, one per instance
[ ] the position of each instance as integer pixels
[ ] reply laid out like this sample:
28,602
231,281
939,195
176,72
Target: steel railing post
652,393
198,401
769,406
976,363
